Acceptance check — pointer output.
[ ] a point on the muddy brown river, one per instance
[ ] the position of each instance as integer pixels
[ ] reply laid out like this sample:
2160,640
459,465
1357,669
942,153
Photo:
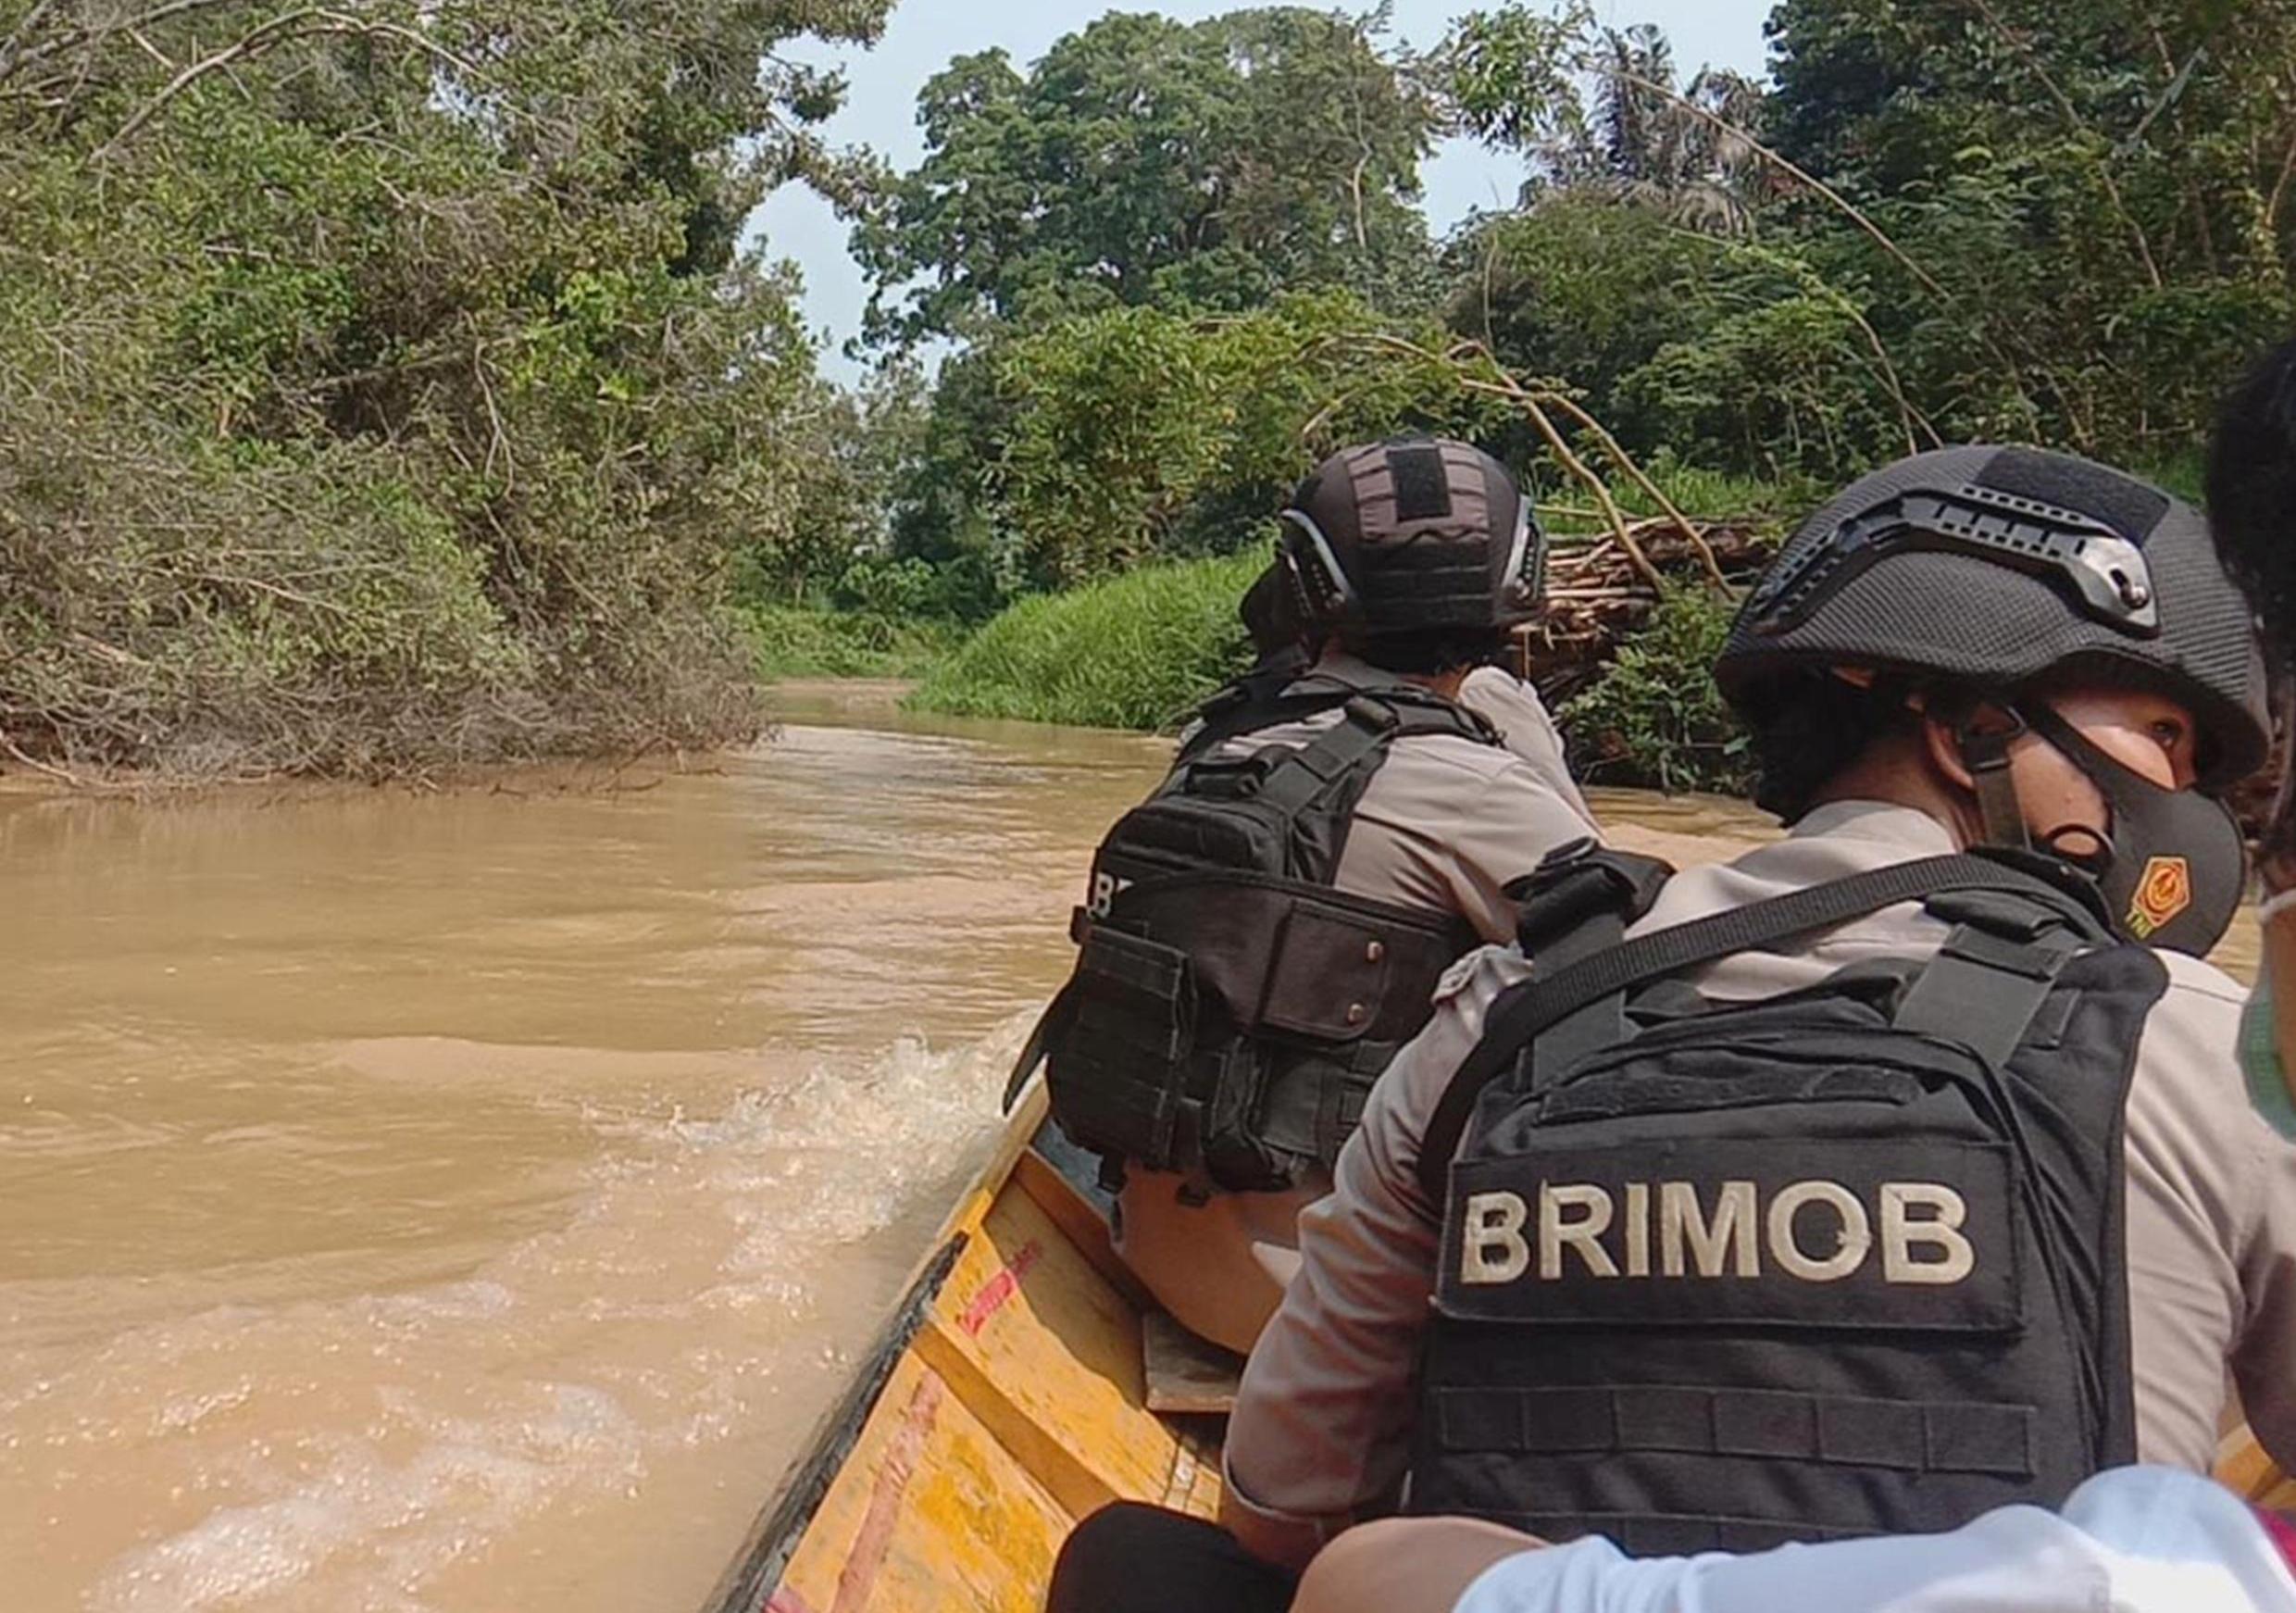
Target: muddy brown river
466,1202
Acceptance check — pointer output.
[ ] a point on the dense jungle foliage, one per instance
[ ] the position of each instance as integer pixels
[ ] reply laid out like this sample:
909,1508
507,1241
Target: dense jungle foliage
389,384
383,385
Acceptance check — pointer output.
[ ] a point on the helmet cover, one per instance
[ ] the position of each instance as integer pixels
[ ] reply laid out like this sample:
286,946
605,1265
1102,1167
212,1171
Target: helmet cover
1413,535
1998,567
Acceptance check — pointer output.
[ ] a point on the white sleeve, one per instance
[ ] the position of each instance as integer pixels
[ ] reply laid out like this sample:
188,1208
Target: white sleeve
1514,709
1587,1576
2019,1557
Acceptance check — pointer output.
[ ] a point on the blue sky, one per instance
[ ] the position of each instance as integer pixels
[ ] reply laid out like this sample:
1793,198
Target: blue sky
880,111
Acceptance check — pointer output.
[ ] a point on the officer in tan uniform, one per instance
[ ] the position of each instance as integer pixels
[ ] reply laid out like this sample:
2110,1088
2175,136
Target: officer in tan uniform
1266,931
1513,706
1974,648
1793,1216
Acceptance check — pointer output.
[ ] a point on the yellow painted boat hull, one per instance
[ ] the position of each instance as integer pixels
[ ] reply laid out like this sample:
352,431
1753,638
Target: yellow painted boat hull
2242,1468
1006,1400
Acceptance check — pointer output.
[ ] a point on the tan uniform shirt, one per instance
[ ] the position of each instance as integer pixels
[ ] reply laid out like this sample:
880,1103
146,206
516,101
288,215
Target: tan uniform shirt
1445,824
1322,1429
1514,708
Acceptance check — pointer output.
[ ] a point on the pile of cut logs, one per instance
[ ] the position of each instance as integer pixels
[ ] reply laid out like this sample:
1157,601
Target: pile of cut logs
1598,594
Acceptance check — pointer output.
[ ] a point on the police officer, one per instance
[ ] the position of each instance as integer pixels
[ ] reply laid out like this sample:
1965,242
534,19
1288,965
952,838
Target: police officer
1271,613
1266,931
2013,1219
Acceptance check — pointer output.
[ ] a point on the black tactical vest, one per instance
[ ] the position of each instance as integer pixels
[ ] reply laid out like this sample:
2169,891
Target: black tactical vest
1230,1009
1851,1260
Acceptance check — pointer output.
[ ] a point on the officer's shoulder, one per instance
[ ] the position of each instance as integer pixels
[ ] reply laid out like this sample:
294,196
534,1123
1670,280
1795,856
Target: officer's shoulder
1472,763
2197,1018
1484,972
2201,984
1485,760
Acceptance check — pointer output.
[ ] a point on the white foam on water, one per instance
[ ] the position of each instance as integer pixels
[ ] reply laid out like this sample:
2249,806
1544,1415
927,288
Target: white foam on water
469,1480
716,1276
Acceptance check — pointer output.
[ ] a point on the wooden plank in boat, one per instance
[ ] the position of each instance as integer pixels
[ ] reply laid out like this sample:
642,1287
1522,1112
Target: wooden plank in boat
2244,1468
1046,1351
1186,1375
939,1515
1081,1222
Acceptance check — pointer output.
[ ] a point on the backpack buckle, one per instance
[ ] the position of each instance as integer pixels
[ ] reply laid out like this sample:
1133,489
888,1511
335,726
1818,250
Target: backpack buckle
2020,916
1580,881
1996,913
1375,715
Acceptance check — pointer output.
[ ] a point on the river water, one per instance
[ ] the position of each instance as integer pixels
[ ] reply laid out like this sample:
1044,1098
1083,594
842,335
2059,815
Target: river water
467,1202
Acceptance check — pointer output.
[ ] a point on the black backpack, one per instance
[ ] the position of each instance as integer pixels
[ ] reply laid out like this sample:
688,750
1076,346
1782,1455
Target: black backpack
1230,1008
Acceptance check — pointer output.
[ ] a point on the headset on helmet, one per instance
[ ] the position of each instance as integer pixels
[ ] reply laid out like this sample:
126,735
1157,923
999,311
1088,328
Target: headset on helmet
1415,535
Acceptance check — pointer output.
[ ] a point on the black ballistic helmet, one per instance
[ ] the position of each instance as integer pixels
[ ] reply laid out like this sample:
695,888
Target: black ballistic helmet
1417,535
1992,568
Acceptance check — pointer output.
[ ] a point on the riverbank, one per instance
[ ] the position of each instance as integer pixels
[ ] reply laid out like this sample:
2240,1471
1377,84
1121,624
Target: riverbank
1138,651
1625,661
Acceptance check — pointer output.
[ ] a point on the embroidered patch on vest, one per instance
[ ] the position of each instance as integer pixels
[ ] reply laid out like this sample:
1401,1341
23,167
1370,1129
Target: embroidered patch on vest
2163,892
1846,1233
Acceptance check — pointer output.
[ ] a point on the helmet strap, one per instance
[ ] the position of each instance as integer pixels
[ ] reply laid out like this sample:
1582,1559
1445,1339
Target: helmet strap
1984,752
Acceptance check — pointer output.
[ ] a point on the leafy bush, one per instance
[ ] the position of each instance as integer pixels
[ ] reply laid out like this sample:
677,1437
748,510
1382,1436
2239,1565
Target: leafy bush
791,641
1655,717
397,398
1141,433
1138,651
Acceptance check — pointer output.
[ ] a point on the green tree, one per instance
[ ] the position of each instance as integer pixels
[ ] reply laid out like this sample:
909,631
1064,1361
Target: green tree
1596,111
1101,472
1580,285
2091,199
1147,162
1961,218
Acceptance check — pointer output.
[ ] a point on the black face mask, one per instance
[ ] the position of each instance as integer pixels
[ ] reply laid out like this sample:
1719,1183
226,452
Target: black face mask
2173,866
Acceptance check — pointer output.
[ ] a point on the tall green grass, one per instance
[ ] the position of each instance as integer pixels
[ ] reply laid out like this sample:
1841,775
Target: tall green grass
791,640
1136,651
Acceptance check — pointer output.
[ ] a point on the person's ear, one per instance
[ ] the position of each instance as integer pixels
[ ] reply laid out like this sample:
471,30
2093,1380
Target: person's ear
1942,741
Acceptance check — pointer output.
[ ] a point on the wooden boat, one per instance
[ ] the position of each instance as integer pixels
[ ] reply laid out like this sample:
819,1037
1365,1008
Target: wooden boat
1007,1399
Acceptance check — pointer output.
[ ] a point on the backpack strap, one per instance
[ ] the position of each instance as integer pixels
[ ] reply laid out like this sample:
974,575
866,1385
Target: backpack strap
1302,773
1992,974
1246,707
1420,712
1254,701
1579,901
1051,1023
1295,779
1525,1011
